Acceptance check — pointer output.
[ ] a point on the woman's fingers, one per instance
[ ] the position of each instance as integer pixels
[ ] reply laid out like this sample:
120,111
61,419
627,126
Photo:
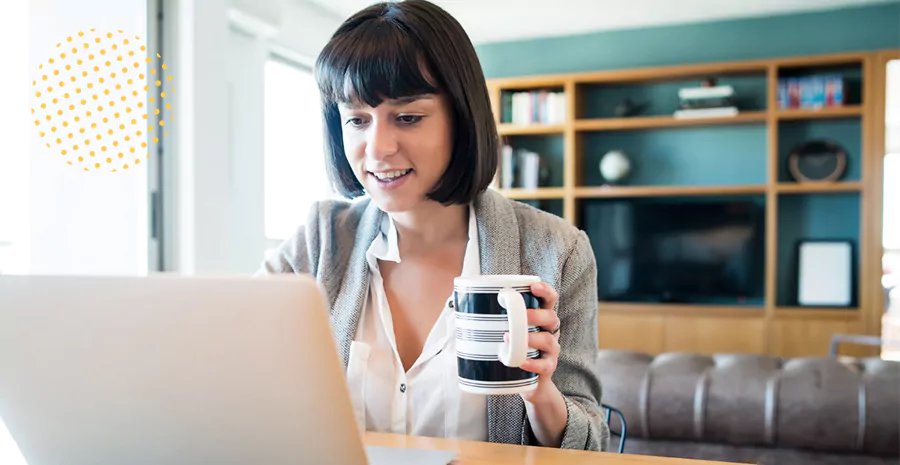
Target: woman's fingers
545,342
546,293
546,319
541,366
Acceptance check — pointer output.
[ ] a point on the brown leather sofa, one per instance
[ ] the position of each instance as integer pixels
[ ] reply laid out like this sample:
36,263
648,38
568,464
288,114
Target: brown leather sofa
755,409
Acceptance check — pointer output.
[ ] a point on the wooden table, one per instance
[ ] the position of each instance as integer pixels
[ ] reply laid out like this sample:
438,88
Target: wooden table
482,453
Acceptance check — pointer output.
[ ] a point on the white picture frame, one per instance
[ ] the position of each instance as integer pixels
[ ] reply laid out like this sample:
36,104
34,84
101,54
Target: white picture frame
825,273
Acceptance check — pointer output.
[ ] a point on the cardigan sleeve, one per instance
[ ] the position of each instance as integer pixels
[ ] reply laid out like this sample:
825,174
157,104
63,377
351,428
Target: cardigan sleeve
289,257
298,253
576,373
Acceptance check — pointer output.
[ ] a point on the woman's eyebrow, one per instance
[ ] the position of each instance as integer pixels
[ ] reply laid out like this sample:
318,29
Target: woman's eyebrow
409,99
395,102
351,105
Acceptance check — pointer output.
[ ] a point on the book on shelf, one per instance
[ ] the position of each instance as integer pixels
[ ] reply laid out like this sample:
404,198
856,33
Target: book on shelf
534,107
706,102
519,168
703,93
717,112
826,91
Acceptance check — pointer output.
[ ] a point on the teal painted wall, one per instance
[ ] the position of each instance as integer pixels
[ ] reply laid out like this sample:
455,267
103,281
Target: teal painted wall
690,156
817,217
845,30
710,156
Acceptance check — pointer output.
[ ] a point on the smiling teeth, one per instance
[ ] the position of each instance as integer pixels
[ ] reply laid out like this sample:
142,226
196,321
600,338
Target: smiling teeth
391,174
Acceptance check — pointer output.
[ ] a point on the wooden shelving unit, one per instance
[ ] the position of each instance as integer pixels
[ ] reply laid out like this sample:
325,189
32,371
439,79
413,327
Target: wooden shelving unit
818,187
775,327
849,111
819,313
655,122
541,193
529,129
681,310
658,191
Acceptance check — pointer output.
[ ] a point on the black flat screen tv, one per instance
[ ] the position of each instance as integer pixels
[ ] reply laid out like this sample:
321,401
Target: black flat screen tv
679,251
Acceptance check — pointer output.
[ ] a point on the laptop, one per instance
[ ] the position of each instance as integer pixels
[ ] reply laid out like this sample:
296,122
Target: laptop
176,370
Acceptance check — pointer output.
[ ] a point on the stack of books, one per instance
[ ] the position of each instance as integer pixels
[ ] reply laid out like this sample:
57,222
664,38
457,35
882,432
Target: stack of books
519,168
534,107
706,102
811,92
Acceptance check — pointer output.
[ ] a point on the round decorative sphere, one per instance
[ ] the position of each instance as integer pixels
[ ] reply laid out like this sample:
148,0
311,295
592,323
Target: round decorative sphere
614,166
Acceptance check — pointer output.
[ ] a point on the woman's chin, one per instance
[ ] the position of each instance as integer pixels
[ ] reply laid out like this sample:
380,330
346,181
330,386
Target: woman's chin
392,204
396,199
393,201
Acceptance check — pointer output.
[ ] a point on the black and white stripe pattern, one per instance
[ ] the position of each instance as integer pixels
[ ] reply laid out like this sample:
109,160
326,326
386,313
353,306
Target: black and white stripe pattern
489,290
479,317
532,353
492,373
480,325
483,302
482,335
502,384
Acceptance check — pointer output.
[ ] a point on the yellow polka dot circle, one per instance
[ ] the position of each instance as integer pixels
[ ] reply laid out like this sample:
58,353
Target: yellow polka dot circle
99,99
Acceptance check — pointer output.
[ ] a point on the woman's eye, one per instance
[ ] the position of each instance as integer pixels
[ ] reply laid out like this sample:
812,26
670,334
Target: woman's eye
409,119
355,122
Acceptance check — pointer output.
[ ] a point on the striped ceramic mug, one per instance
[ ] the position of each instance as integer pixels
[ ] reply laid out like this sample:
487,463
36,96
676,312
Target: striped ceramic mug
486,307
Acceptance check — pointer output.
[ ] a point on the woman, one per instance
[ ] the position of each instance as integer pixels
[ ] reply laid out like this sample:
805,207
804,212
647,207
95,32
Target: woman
410,134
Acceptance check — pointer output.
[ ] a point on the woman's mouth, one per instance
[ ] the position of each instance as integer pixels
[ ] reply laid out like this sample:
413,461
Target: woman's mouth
387,177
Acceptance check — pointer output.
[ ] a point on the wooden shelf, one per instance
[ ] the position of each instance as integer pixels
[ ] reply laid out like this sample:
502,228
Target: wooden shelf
680,309
822,113
654,191
508,129
819,187
534,194
665,121
765,326
657,74
817,313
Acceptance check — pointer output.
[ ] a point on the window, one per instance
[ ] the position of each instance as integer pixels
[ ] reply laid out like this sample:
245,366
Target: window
295,174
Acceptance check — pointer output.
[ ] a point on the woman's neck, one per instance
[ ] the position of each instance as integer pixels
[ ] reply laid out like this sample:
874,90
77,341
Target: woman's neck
431,226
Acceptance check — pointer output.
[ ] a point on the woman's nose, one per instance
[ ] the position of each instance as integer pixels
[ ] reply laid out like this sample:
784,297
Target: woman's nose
381,141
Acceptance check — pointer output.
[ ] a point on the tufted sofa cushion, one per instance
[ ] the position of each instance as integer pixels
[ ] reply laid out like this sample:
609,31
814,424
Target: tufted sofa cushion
823,404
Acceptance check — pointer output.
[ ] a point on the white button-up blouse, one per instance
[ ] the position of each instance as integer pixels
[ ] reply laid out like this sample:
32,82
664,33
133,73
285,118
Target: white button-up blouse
426,400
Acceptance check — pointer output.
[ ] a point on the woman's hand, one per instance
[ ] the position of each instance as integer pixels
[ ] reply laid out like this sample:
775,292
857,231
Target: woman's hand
546,341
545,405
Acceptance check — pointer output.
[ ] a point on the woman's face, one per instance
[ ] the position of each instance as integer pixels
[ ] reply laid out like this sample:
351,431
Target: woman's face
399,149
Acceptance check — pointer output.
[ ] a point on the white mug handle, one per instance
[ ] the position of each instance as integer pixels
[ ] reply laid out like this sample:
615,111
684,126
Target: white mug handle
513,353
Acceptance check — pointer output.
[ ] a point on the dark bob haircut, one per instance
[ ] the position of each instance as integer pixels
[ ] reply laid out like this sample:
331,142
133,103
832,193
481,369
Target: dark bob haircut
400,49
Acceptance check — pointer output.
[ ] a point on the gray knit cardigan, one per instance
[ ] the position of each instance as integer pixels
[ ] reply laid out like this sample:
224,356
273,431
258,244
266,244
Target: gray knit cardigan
514,238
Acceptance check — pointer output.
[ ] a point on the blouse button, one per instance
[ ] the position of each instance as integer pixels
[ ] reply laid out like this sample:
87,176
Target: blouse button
403,387
450,303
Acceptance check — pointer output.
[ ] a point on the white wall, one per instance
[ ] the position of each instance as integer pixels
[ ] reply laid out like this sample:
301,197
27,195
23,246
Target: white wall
15,167
305,28
198,150
83,222
300,27
246,97
216,197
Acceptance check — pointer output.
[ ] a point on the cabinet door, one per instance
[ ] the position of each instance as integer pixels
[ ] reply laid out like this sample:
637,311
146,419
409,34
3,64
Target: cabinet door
643,333
804,337
711,335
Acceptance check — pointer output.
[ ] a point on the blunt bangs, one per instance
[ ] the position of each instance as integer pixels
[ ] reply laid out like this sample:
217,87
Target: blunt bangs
373,62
